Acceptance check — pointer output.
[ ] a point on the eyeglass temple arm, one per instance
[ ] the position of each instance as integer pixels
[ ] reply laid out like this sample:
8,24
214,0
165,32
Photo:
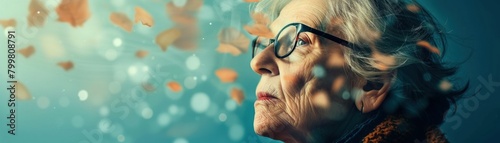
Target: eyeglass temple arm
340,41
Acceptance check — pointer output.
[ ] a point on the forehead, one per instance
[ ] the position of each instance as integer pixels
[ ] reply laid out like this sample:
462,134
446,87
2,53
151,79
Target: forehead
309,12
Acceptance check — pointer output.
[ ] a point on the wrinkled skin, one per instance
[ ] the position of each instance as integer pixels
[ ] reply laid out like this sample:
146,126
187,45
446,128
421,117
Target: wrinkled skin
295,113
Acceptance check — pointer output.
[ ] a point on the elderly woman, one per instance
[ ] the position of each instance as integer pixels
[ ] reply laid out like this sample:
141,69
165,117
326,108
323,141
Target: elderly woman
351,71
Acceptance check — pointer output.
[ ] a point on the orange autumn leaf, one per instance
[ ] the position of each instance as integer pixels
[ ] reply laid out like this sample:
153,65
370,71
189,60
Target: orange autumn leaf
174,86
260,18
226,75
27,52
413,8
186,14
237,95
232,41
429,47
167,37
68,65
22,92
185,19
37,13
143,16
382,61
188,39
74,12
320,99
8,23
259,30
228,48
338,83
141,54
121,20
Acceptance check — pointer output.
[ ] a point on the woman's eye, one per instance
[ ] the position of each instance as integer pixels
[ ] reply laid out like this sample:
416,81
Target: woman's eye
301,42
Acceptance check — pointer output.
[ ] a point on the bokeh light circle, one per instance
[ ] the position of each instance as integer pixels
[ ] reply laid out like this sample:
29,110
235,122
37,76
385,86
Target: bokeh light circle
200,102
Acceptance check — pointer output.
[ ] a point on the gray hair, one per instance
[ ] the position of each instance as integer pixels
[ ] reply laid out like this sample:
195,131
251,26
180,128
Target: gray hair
361,23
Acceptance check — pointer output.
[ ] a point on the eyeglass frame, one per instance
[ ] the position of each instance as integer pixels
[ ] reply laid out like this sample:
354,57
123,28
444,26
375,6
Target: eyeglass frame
302,28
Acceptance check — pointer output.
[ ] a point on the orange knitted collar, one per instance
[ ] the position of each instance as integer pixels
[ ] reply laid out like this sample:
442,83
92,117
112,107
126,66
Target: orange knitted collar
399,129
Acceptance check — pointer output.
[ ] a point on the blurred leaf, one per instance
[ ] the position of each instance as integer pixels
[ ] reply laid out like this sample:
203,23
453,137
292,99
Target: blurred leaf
37,13
148,87
75,12
185,20
68,65
429,47
8,22
174,86
232,41
167,37
237,95
226,75
121,20
141,54
22,92
143,16
27,52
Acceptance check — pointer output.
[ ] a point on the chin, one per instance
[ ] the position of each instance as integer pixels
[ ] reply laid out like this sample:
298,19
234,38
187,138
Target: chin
265,124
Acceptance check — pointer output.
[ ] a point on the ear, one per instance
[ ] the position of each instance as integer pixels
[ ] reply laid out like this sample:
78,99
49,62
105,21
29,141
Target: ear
373,95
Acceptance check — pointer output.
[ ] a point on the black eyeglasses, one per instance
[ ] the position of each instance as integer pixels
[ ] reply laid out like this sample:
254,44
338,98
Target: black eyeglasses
288,37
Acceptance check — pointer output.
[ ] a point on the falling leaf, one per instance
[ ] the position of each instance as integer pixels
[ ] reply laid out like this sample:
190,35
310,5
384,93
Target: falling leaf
174,86
260,18
382,62
167,37
259,28
413,8
429,47
68,65
37,13
338,83
445,85
141,54
22,92
232,41
75,12
148,87
185,14
227,48
8,23
188,39
143,16
251,1
237,95
27,52
121,20
335,59
320,99
185,20
226,75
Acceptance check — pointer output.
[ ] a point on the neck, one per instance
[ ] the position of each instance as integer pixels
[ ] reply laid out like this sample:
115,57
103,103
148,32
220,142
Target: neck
352,126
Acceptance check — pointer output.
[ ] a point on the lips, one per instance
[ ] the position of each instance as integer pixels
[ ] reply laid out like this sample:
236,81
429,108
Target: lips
265,96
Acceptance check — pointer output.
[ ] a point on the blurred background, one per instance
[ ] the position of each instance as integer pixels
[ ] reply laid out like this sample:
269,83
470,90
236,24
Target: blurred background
178,70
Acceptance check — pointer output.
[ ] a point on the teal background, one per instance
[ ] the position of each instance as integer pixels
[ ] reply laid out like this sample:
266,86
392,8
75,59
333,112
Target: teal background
119,110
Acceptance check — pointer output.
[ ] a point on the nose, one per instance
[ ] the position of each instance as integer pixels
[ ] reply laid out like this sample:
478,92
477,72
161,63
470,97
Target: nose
264,63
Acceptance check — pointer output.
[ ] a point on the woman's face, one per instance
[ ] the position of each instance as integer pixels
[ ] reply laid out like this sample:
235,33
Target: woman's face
304,89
